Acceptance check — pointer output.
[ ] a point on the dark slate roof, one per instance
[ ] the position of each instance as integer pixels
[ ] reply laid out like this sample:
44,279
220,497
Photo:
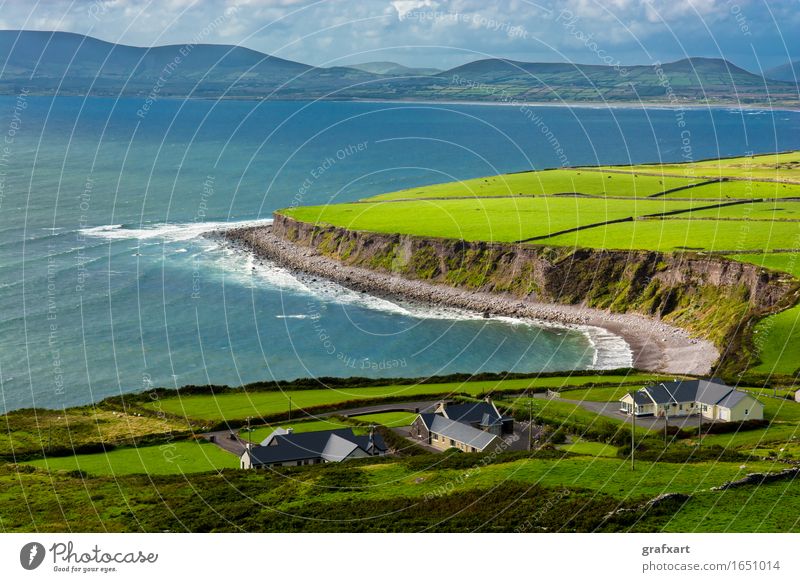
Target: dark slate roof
712,391
461,432
661,394
483,413
311,445
427,418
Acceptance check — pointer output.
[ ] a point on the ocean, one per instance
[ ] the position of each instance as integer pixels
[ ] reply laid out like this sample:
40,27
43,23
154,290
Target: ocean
111,280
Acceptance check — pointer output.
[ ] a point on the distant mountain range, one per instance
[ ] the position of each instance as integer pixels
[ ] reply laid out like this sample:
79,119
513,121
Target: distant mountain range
389,68
73,64
789,72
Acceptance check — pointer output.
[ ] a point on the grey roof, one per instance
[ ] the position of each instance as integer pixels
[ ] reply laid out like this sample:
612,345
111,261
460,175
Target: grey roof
461,432
483,413
310,445
712,391
338,449
734,398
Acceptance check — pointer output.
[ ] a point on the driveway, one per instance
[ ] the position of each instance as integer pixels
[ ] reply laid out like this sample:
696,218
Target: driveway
611,410
222,438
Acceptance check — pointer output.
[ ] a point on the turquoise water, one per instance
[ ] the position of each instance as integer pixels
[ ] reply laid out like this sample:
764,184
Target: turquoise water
110,282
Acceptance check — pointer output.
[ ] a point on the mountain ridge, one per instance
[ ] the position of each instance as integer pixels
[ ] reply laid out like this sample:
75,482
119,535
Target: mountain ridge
49,62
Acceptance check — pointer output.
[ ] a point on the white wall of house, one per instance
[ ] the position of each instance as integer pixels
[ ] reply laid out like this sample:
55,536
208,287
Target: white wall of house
748,409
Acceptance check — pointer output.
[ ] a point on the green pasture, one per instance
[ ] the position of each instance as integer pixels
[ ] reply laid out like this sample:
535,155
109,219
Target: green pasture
499,220
166,459
578,181
240,405
783,166
786,262
390,419
685,235
769,211
739,189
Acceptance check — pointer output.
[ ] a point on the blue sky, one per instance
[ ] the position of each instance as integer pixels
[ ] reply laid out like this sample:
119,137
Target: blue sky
756,34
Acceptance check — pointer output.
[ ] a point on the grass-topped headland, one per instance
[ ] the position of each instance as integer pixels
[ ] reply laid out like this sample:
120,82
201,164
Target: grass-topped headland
678,242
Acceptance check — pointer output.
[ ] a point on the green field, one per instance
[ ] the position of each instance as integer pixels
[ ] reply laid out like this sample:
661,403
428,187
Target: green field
782,166
166,459
778,340
545,182
771,507
769,211
576,492
739,189
786,262
590,448
681,235
489,219
240,405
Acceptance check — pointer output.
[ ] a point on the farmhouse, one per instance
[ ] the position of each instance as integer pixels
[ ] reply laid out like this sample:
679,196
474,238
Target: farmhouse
481,415
283,447
470,427
712,399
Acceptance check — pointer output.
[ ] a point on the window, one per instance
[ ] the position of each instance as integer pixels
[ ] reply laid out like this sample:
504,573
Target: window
452,443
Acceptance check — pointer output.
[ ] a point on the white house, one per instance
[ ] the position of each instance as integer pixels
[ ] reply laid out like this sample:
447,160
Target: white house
712,399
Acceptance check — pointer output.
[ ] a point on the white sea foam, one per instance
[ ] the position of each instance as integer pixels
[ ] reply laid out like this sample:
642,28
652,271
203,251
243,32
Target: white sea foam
168,232
610,350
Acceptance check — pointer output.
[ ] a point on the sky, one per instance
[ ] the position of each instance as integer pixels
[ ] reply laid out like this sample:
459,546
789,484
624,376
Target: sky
754,34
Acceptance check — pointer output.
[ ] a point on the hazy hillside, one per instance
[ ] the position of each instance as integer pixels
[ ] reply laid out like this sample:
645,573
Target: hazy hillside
50,62
789,72
390,68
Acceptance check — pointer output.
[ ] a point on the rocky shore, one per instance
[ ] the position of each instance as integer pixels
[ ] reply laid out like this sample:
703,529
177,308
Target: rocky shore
656,346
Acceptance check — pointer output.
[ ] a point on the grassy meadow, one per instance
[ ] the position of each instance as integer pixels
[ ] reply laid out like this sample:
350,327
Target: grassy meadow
241,404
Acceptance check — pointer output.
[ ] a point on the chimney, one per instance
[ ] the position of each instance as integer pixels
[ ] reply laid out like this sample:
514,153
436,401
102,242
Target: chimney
289,430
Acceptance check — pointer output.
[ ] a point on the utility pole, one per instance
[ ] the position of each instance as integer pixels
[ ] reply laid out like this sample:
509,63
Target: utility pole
633,431
290,408
530,423
666,423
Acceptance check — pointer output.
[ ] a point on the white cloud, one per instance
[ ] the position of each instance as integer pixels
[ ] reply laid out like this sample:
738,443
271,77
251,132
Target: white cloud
403,7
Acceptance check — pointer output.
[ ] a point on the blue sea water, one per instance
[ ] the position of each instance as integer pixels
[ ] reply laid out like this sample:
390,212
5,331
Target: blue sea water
110,281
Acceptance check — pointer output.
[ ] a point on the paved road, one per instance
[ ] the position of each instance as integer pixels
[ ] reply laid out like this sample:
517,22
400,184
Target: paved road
611,410
419,406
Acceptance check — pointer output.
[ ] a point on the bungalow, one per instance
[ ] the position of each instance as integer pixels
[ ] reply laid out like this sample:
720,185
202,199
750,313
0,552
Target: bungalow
712,399
472,427
481,415
443,433
285,448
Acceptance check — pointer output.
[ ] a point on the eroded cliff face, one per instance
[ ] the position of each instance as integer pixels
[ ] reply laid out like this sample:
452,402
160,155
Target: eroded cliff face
710,295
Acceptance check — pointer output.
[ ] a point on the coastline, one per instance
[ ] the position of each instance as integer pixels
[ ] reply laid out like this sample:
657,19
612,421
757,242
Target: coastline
656,346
